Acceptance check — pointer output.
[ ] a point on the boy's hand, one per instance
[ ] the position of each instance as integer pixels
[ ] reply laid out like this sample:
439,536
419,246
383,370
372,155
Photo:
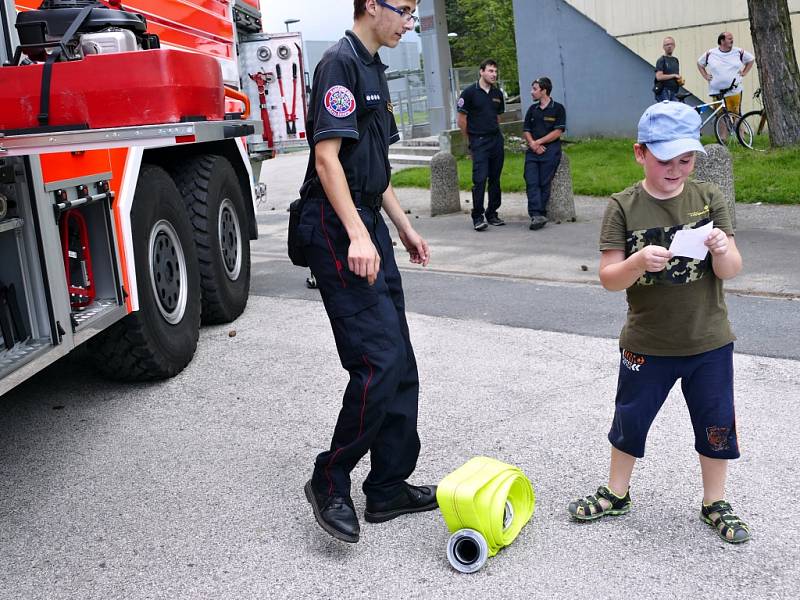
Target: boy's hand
654,258
717,242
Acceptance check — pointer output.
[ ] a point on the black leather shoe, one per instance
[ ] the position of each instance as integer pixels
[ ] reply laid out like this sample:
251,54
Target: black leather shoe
411,499
335,514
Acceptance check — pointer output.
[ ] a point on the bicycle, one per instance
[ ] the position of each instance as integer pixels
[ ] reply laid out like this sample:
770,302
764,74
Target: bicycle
752,129
725,121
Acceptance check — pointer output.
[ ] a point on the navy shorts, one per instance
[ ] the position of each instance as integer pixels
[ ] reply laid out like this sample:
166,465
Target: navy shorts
707,385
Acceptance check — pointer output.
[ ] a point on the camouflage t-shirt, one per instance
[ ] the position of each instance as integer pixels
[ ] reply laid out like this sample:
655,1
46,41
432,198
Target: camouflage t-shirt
681,310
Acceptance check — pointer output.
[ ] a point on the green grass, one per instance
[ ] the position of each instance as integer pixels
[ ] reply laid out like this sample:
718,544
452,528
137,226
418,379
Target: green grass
602,167
418,116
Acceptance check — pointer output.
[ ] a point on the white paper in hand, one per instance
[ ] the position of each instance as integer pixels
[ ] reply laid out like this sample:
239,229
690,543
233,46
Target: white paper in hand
690,242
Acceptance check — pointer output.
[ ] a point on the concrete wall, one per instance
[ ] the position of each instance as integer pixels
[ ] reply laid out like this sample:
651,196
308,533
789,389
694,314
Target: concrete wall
624,17
604,86
641,25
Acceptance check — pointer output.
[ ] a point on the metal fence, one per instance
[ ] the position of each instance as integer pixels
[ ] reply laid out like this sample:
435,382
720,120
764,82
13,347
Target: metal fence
410,101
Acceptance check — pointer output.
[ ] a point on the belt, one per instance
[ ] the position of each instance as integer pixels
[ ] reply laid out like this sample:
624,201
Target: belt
372,201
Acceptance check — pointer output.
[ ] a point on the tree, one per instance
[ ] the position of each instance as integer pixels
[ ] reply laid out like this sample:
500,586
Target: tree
771,30
485,29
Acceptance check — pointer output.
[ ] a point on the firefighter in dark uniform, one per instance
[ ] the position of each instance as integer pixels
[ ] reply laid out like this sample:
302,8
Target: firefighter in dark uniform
544,123
479,110
349,250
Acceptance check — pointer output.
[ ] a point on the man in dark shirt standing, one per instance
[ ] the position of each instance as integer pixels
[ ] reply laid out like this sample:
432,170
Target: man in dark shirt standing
479,110
348,247
544,123
668,77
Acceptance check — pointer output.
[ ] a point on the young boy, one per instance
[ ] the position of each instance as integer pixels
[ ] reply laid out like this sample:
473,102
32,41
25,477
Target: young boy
677,325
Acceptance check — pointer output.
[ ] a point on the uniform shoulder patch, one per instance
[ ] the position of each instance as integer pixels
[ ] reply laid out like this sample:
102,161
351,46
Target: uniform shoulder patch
339,101
460,103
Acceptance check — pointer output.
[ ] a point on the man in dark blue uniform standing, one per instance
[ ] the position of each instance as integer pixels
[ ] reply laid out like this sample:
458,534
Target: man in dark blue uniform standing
479,110
349,249
544,123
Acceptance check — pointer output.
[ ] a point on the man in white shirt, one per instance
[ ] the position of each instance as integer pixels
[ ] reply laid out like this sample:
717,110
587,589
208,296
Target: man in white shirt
722,65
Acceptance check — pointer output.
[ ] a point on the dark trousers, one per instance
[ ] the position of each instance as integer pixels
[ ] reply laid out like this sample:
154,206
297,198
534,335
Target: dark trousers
487,165
539,172
379,408
707,385
666,94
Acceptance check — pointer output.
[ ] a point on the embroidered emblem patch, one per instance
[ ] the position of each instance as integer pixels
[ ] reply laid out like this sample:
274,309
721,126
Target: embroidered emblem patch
390,107
340,102
460,103
718,438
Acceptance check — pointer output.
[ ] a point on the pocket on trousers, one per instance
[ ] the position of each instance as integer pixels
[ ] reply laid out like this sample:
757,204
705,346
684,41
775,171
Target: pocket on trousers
358,324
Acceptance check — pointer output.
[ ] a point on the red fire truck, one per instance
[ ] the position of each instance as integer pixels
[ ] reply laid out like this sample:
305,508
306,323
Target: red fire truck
131,138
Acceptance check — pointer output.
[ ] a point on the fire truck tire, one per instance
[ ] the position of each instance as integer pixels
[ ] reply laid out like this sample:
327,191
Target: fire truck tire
215,203
158,340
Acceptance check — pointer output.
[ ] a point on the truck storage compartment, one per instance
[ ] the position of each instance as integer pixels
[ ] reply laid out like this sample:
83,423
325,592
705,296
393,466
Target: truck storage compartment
24,321
115,90
93,283
78,192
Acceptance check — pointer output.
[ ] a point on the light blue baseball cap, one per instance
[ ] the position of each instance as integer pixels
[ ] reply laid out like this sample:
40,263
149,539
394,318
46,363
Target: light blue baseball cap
670,129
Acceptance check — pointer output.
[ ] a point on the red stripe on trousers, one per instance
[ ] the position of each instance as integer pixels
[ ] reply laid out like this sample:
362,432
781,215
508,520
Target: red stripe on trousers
336,262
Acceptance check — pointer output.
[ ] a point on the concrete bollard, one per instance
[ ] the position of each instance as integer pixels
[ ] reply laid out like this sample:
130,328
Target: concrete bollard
717,167
561,206
444,184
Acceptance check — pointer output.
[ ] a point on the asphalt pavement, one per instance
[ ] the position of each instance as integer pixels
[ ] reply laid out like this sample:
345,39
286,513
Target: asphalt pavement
192,487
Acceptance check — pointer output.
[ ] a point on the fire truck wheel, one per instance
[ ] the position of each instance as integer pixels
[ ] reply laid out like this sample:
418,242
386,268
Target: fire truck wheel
159,339
214,200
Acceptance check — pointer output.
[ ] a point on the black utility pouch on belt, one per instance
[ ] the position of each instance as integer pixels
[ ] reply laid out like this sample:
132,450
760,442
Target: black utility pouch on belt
294,243
296,254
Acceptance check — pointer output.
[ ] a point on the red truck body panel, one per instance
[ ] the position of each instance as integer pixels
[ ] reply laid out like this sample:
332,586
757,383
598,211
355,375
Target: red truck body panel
116,90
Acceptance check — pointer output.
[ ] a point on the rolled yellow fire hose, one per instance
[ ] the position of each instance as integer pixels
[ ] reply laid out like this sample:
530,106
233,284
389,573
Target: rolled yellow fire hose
485,503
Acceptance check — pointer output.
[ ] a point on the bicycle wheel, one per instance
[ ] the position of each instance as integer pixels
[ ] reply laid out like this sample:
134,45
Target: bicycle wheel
725,128
752,130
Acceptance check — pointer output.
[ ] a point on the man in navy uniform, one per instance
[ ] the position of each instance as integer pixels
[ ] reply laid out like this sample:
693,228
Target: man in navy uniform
349,249
544,123
479,110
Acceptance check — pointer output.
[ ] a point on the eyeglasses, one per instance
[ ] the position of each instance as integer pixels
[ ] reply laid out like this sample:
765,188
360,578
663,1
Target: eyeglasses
407,16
